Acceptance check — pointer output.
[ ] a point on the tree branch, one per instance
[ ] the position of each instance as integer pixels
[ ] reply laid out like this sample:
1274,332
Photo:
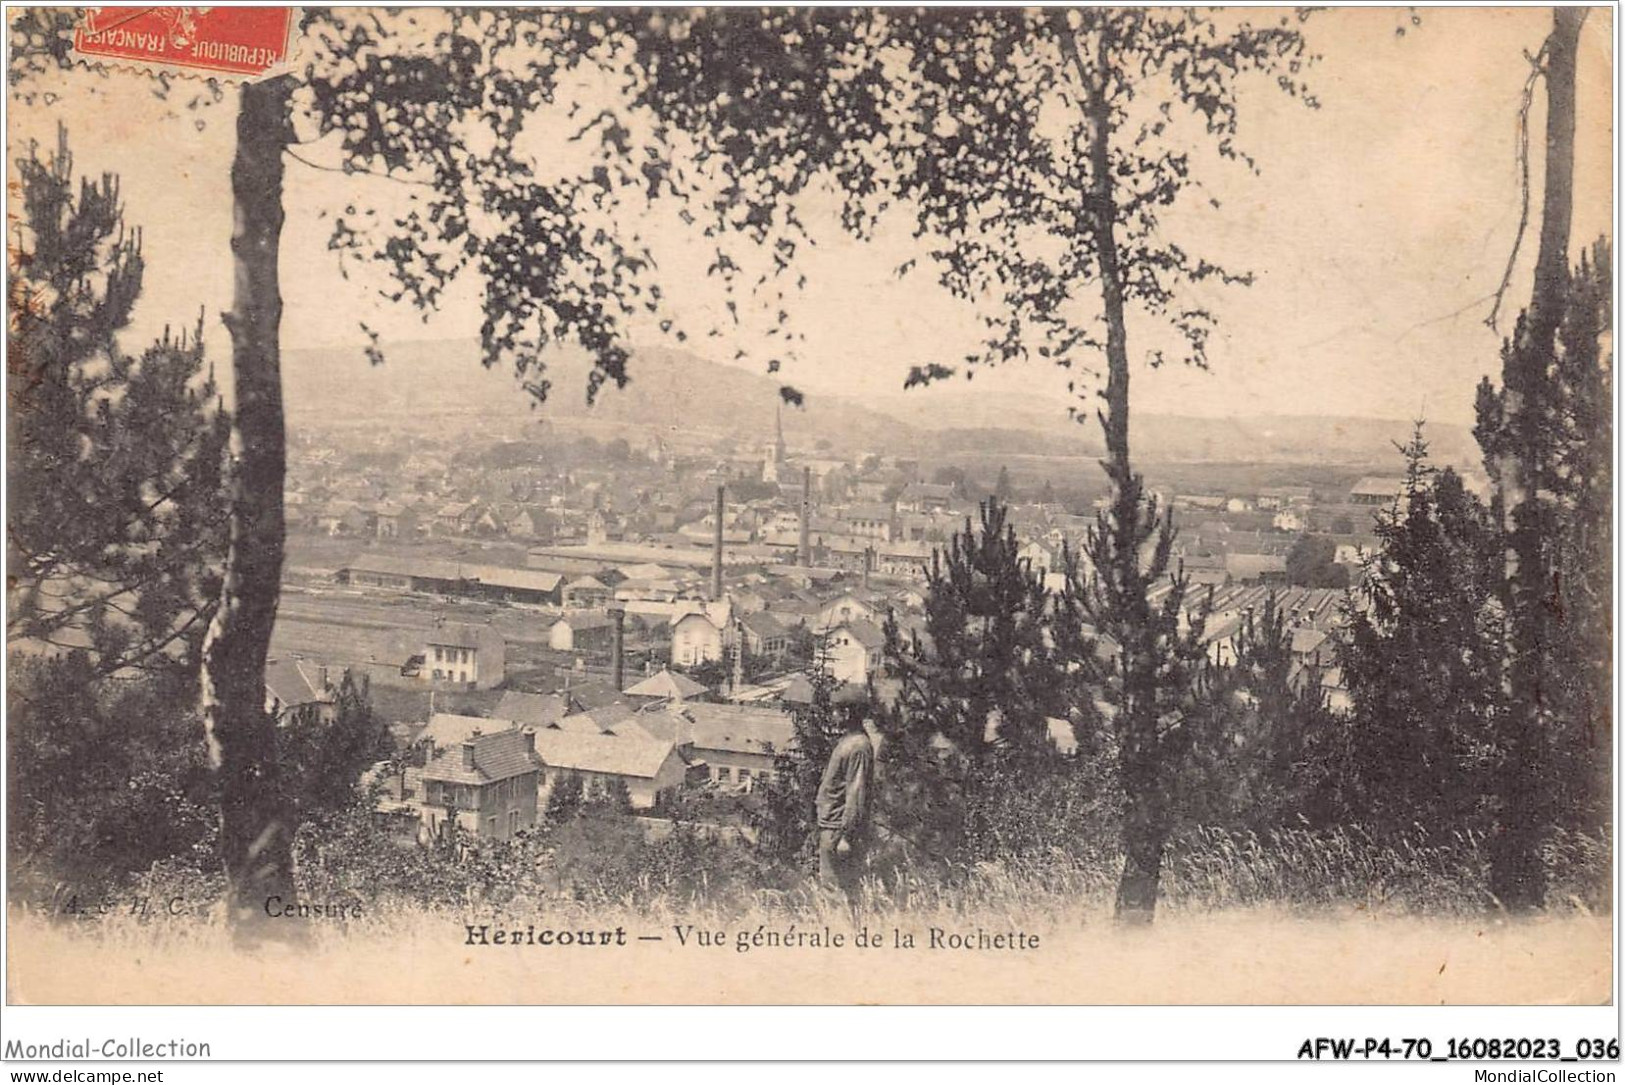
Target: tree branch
1537,69
352,171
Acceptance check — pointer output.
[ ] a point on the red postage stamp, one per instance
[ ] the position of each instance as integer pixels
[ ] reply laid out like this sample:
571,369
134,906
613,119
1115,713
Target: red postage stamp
223,42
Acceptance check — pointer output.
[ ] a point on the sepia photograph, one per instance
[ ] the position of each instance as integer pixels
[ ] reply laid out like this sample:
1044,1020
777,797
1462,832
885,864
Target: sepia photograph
811,506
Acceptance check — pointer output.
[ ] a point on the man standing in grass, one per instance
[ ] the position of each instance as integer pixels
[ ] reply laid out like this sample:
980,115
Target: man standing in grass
844,797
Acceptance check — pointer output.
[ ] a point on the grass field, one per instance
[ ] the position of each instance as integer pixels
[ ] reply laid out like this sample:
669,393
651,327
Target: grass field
1291,918
1247,955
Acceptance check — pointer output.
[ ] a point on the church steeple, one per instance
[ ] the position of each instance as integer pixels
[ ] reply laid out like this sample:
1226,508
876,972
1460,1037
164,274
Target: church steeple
773,458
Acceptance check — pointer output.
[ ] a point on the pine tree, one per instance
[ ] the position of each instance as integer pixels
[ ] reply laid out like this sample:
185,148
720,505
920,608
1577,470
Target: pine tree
976,687
116,464
106,777
1422,657
1145,664
564,800
982,675
1546,436
1259,756
1584,569
1514,429
1002,491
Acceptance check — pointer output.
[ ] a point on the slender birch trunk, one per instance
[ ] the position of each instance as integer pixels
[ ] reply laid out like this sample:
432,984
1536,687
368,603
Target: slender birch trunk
1146,813
256,822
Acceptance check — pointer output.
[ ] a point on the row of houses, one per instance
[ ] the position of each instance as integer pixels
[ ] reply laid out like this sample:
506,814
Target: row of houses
492,775
413,517
843,630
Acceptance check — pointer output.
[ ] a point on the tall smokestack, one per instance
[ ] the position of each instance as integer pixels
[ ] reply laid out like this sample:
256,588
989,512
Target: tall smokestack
716,552
804,549
739,659
617,661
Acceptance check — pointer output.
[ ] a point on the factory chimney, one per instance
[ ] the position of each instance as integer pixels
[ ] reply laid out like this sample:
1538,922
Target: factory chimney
617,660
716,552
804,549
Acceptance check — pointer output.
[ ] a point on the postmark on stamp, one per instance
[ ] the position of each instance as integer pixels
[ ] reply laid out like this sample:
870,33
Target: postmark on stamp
233,43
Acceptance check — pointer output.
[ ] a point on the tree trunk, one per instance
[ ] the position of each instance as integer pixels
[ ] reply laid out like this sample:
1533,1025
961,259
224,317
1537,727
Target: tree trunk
1145,827
1145,831
1517,876
256,823
1557,202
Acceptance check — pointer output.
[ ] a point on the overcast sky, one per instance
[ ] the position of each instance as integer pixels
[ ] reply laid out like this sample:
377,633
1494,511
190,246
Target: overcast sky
1377,229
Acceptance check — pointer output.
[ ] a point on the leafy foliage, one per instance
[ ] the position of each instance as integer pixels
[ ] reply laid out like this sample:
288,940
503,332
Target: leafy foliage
565,799
973,122
944,114
437,99
323,760
447,103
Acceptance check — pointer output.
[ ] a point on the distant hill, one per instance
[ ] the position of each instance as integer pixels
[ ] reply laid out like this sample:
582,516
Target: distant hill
675,390
1264,439
440,385
422,378
670,391
962,421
